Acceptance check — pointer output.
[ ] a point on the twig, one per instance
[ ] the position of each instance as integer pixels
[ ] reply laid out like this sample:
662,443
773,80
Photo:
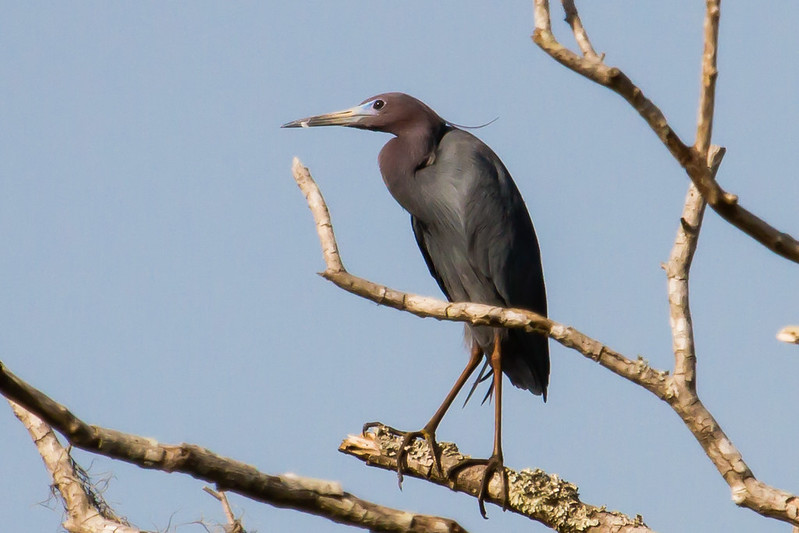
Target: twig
746,490
84,515
533,493
707,97
694,162
234,525
677,270
684,399
580,35
314,496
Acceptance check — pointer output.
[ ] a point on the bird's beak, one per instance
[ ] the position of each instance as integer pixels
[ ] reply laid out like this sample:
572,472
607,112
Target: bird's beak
349,117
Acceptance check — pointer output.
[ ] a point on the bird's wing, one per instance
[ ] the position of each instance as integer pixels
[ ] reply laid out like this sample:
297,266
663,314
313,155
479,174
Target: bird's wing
503,247
419,233
501,239
479,244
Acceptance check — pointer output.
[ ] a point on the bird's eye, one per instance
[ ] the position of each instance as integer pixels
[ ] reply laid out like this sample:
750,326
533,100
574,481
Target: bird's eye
378,104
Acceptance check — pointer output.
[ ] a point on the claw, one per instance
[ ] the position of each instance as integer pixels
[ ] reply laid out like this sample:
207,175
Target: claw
370,425
492,465
407,440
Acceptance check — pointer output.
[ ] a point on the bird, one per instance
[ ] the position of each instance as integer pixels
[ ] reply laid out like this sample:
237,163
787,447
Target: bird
477,240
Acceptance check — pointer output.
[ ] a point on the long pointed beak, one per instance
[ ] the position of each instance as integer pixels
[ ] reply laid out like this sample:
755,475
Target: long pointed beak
349,117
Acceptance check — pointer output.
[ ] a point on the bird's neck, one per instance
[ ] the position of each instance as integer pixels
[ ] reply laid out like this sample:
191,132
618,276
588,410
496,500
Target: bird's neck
401,157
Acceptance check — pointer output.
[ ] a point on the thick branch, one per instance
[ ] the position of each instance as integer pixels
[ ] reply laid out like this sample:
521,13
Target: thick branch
747,490
693,161
534,494
85,514
322,498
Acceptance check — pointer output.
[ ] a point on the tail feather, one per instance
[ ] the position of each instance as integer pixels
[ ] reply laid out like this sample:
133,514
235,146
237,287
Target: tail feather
484,374
525,360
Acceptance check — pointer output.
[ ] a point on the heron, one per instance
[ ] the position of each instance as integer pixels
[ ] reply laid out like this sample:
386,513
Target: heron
478,241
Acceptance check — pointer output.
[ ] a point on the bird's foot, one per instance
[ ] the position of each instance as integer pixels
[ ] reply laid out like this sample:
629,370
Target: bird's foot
407,439
492,465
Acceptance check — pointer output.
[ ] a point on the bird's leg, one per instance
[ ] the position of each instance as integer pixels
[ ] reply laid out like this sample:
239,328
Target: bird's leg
428,432
494,464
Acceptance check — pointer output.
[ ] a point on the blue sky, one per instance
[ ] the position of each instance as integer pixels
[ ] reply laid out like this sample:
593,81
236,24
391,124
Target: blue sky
159,265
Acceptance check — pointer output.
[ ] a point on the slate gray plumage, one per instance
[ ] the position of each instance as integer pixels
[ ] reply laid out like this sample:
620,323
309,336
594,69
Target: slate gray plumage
476,237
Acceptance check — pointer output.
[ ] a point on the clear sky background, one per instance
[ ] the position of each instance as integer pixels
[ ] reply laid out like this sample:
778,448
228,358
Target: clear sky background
158,265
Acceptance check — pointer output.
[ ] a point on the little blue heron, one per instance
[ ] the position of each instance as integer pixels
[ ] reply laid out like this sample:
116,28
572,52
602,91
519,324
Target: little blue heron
477,239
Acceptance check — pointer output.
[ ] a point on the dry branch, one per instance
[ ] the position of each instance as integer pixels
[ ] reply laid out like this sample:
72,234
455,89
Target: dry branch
638,371
677,270
234,524
701,167
86,512
314,496
533,493
789,334
580,35
692,159
707,96
746,490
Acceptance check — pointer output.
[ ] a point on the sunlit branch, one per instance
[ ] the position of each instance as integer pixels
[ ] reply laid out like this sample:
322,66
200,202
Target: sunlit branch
580,35
313,496
677,271
85,509
637,371
533,493
693,161
707,96
789,334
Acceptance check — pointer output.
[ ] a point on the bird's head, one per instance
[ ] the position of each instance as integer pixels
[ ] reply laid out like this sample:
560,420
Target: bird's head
388,112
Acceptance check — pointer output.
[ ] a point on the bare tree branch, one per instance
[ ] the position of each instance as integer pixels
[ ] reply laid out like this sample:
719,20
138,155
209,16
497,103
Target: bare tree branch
692,160
677,270
533,493
746,490
580,35
677,276
233,524
314,496
707,97
701,168
85,513
789,334
638,371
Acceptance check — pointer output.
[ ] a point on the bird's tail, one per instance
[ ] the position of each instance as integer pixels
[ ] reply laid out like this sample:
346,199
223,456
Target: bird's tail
525,360
485,373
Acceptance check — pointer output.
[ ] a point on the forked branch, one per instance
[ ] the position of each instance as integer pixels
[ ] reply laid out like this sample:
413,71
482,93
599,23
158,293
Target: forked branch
692,159
86,511
638,371
313,496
